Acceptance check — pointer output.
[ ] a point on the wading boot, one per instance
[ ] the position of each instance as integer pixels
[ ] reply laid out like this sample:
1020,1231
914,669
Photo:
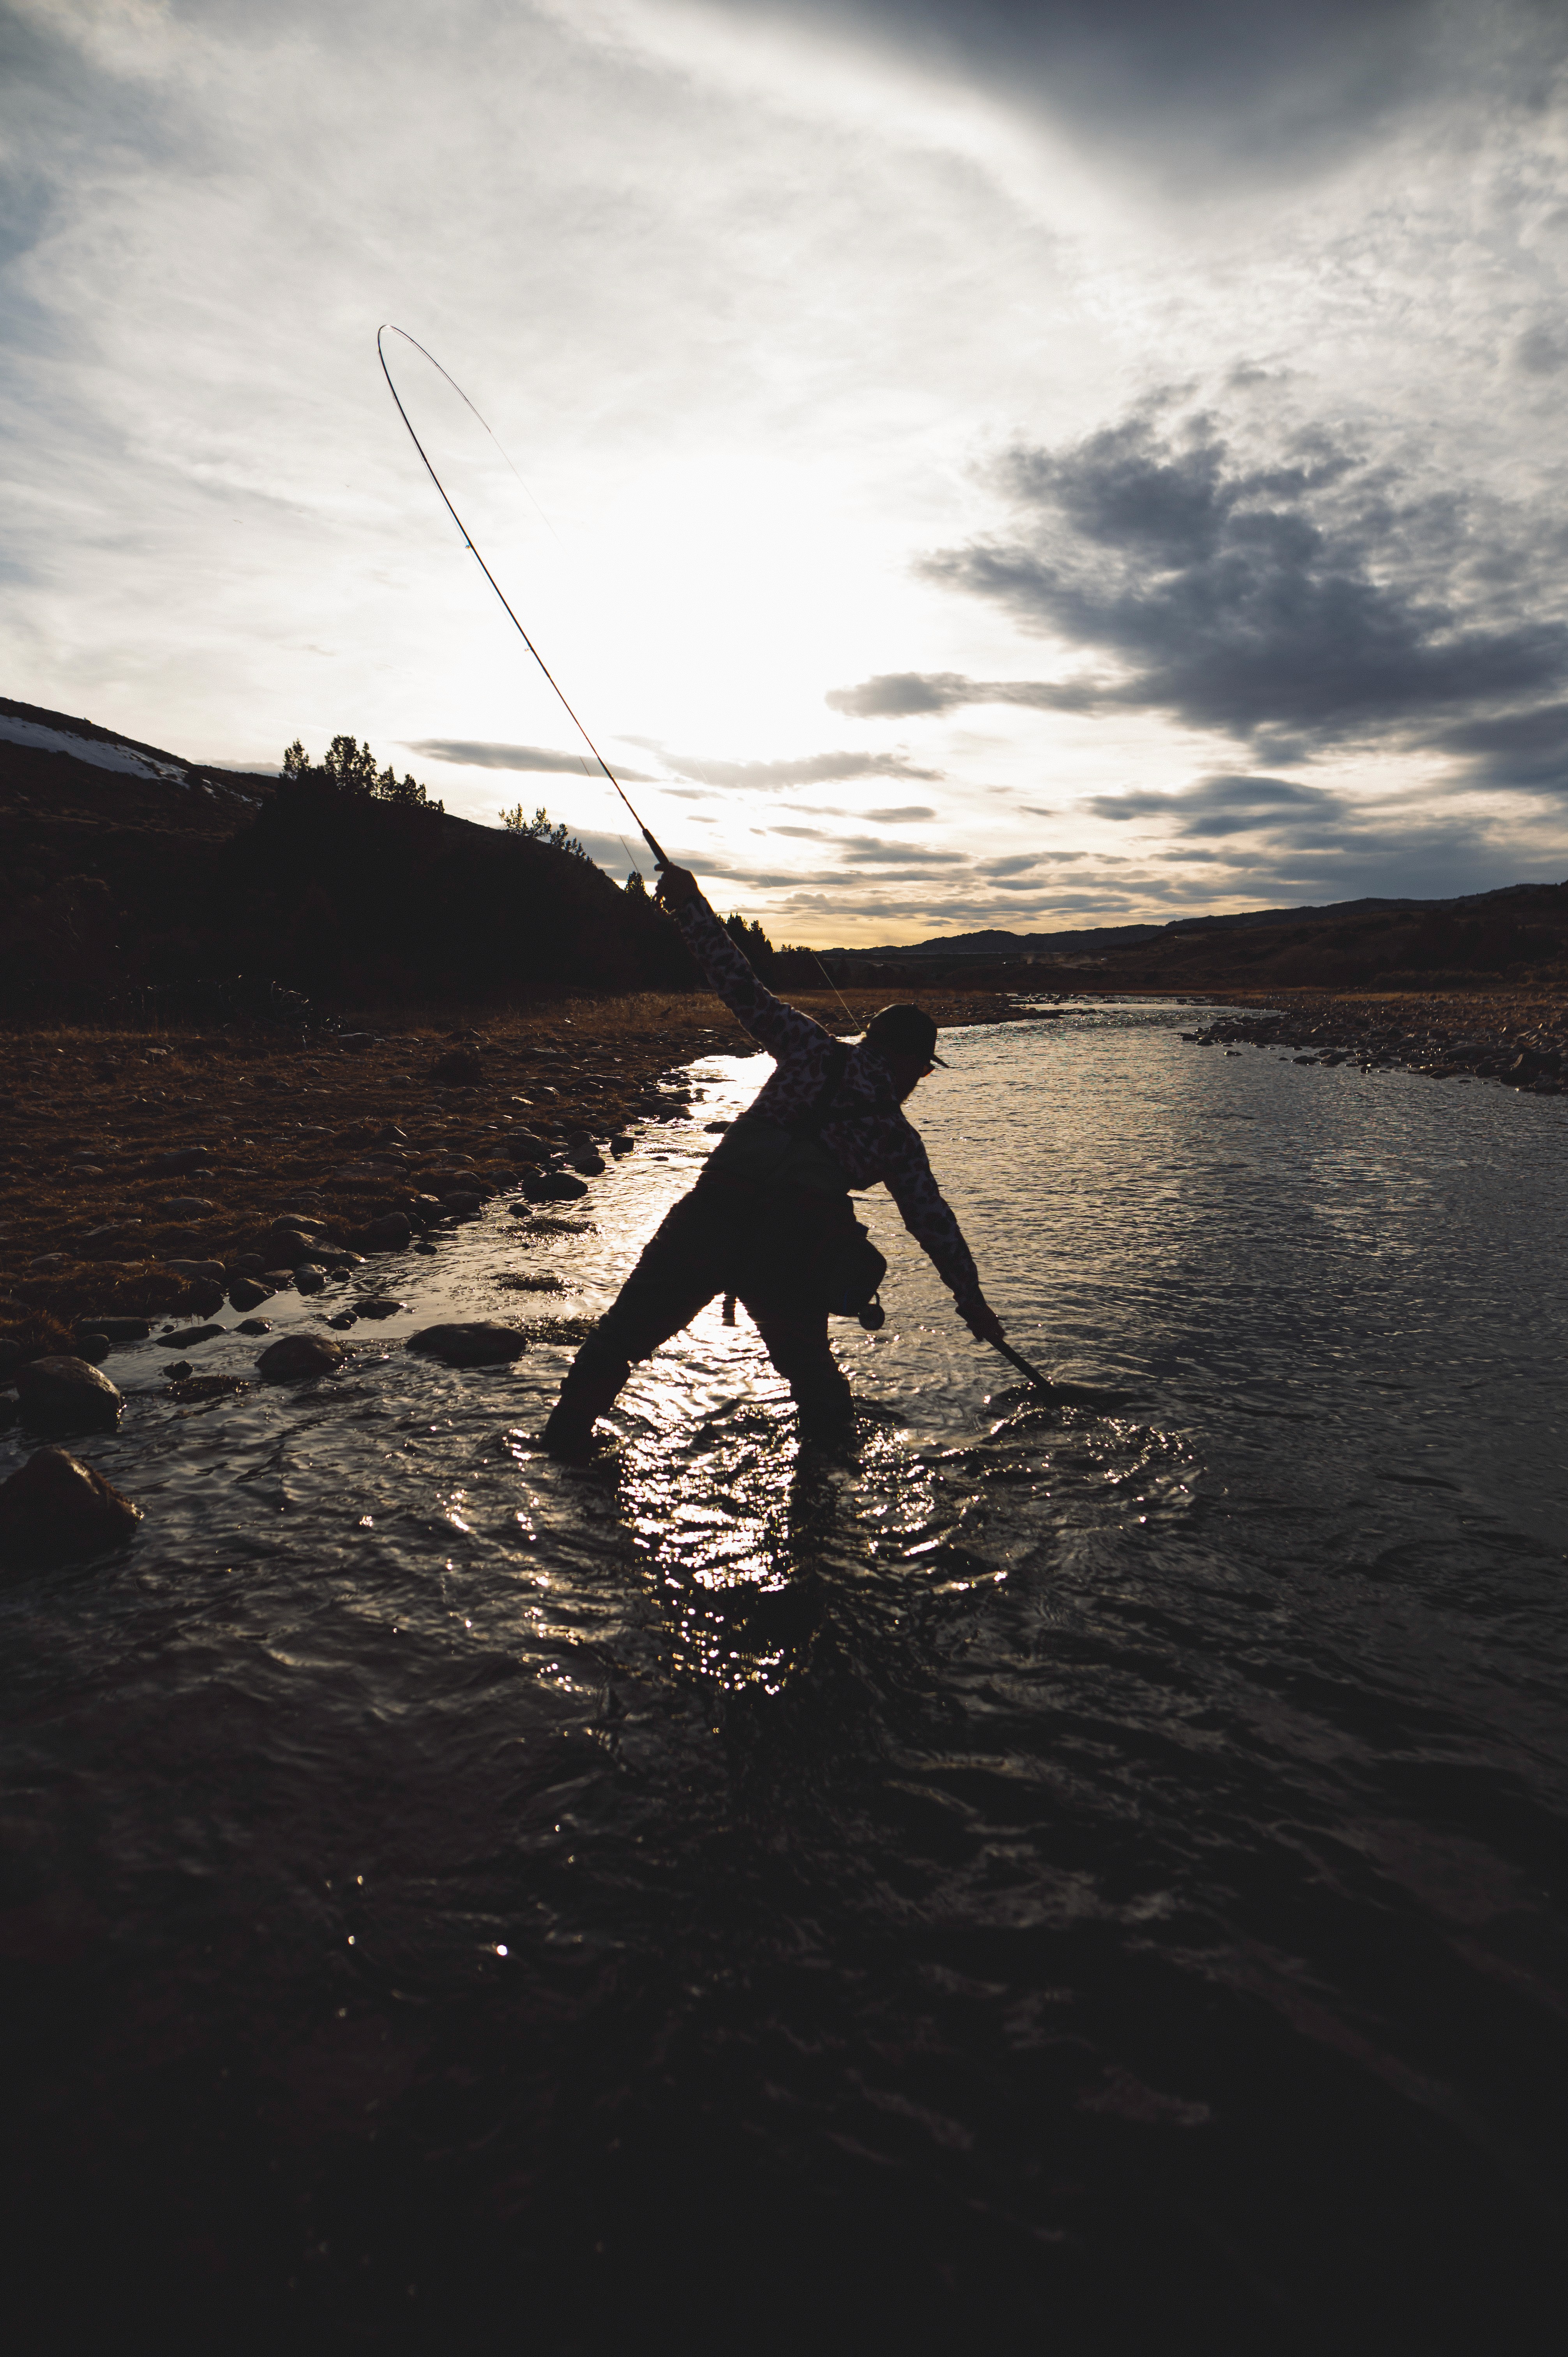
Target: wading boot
592,1383
824,1407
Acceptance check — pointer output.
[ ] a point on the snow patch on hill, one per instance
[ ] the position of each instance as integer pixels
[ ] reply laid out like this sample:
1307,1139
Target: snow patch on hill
92,749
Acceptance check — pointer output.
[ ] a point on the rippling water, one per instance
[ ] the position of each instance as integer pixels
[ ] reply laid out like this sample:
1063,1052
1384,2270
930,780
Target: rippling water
1048,1881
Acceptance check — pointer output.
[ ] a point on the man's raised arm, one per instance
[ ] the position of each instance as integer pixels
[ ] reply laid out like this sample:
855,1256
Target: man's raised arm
726,970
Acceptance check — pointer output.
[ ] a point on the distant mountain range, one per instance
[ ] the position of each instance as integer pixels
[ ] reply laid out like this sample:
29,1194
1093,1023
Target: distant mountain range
1098,941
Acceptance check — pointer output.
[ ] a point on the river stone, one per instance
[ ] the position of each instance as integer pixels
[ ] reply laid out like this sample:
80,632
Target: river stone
189,1207
67,1396
555,1187
255,1326
300,1354
308,1278
391,1233
481,1343
212,1272
93,1347
462,1203
119,1329
378,1305
55,1509
285,1248
245,1293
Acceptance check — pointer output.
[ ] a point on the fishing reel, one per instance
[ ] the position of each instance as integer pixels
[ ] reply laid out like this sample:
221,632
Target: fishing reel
873,1317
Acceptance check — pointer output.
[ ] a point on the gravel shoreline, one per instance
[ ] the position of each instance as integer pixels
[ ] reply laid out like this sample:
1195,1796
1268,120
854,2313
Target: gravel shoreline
1460,1043
162,1176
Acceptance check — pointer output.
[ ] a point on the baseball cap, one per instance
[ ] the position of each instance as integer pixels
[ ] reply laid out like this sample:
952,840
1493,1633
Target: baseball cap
904,1030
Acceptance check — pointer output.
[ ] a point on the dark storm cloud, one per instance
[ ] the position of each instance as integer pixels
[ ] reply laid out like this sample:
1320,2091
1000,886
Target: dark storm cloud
806,769
1270,841
898,695
1279,584
1214,86
1524,749
477,755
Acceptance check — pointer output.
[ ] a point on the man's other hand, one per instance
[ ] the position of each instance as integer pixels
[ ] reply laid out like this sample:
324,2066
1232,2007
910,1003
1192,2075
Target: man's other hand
677,886
984,1324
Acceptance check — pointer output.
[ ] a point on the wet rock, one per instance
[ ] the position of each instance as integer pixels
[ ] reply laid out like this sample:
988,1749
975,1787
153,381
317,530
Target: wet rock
392,1232
297,1355
246,1265
620,1146
255,1326
55,1509
192,1387
245,1293
590,1165
554,1187
67,1396
480,1344
278,1280
118,1329
177,1369
202,1334
344,1319
93,1347
462,1203
203,1296
285,1247
380,1305
308,1278
210,1272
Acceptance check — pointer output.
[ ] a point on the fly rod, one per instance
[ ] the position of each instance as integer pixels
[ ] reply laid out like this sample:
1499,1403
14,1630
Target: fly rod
1064,1394
389,328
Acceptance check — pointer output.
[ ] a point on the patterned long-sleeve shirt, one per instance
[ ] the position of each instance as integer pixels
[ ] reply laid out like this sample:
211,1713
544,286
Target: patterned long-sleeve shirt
867,1133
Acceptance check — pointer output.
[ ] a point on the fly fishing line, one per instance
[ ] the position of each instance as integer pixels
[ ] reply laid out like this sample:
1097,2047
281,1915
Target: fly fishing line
390,328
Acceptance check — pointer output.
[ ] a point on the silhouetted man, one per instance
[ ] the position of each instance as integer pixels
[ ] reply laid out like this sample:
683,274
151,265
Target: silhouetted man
771,1211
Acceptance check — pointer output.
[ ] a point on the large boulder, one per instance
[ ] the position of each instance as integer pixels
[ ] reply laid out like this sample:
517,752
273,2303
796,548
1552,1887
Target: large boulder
297,1355
67,1396
481,1343
245,1293
54,1509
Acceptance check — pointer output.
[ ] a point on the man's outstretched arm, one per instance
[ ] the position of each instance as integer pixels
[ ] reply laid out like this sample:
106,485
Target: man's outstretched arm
928,1219
779,1028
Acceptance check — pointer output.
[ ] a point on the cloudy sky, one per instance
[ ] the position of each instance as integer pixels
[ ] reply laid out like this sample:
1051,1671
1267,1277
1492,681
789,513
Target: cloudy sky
970,462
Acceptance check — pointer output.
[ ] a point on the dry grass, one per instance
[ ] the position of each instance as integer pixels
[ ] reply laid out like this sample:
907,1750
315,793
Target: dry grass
279,1117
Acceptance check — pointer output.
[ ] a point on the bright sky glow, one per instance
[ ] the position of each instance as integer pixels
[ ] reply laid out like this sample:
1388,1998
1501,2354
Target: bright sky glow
1146,426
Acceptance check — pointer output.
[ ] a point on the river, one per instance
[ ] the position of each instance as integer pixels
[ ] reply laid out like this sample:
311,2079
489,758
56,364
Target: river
1048,1879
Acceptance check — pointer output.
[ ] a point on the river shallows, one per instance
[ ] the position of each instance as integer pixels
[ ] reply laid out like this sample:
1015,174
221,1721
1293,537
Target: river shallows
1052,1882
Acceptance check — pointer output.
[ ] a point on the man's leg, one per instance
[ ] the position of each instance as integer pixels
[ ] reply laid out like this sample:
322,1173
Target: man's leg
796,1339
679,1273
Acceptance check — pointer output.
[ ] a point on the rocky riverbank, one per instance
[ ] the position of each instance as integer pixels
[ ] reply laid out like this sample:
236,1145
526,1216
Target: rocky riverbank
164,1175
1519,1044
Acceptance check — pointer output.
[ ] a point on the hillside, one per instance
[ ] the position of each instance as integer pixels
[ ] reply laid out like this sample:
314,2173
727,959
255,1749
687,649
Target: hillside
126,870
1519,932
